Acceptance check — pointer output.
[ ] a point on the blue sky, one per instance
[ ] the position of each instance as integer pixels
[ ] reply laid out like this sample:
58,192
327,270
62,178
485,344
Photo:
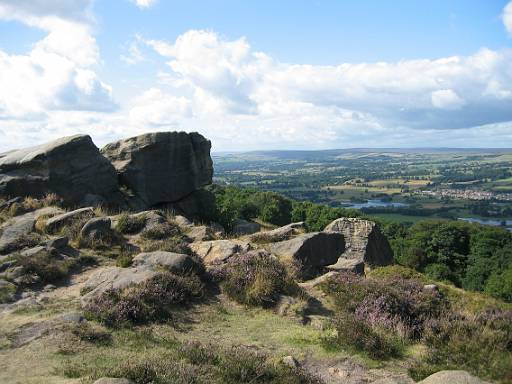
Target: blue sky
259,75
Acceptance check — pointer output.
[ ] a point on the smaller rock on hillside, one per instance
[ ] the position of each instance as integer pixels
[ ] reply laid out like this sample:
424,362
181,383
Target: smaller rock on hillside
311,251
162,167
452,377
71,167
364,241
219,251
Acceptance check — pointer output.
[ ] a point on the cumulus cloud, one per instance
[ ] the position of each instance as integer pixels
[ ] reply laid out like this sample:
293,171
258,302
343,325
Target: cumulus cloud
144,3
507,17
57,74
227,76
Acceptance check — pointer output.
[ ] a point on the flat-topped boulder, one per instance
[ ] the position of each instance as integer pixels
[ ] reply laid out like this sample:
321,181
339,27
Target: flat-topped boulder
219,251
364,241
162,167
173,262
71,167
311,251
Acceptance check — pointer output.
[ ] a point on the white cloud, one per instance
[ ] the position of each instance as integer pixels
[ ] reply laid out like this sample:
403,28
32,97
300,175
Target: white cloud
156,108
144,3
507,17
57,74
227,77
446,99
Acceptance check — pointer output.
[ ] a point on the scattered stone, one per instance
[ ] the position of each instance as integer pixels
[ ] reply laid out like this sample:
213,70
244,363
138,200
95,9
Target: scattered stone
319,280
57,222
173,262
311,251
217,229
7,204
348,265
162,167
452,377
57,243
244,227
71,167
278,234
431,288
219,251
16,231
96,228
73,317
364,241
182,221
291,362
49,287
200,233
114,278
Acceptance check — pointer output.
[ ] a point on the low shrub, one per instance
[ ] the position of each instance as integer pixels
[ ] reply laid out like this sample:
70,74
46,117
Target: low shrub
177,244
152,300
130,224
161,231
398,305
124,260
480,344
7,291
48,267
192,363
257,279
91,334
355,333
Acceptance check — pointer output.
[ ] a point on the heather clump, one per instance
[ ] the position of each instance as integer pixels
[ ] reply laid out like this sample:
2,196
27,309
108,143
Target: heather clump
152,300
480,343
256,278
379,316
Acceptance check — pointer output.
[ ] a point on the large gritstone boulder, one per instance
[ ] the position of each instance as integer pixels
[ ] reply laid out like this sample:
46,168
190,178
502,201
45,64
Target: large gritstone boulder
71,167
311,251
162,167
364,241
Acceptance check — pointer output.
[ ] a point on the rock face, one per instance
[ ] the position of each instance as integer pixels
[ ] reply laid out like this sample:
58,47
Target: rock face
162,167
312,251
71,167
364,241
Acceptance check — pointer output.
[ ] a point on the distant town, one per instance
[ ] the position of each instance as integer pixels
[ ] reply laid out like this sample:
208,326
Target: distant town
467,194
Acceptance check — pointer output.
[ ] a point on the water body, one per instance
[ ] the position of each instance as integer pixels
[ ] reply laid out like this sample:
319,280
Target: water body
493,222
376,203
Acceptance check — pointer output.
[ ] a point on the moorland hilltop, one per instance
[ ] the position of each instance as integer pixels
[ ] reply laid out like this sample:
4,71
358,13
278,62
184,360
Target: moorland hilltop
114,268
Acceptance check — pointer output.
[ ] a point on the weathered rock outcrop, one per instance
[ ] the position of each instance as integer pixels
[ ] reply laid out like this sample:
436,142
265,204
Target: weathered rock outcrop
364,242
277,234
173,262
219,251
71,167
312,251
452,377
162,167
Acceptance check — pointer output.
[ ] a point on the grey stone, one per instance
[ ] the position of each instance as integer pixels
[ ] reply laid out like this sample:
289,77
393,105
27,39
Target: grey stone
162,167
57,222
57,243
7,204
364,241
182,221
348,265
311,251
173,262
96,228
200,233
290,361
15,230
73,317
278,234
70,167
452,377
219,251
244,227
114,278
